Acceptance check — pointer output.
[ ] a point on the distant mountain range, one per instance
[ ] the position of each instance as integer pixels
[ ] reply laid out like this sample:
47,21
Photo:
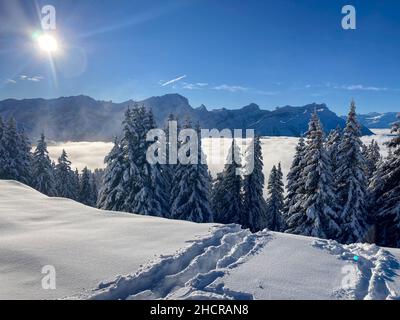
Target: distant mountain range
376,120
81,118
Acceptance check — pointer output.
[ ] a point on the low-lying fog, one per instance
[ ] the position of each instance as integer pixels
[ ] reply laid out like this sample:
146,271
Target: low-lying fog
275,149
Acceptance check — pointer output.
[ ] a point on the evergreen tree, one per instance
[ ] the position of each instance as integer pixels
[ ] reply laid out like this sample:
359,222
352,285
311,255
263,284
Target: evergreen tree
275,203
25,158
253,214
65,178
112,193
42,170
226,199
385,195
17,154
372,158
190,194
120,189
146,195
86,188
94,190
168,169
351,183
280,173
76,184
332,145
314,216
160,183
130,182
295,187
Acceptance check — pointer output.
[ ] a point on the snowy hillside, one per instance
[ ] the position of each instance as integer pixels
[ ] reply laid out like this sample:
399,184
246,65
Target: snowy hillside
84,245
106,255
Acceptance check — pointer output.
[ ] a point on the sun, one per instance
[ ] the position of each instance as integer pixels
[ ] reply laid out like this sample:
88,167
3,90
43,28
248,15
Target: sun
47,43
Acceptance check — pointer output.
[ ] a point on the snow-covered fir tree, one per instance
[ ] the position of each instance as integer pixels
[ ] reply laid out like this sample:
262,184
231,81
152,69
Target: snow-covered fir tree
76,185
226,196
17,154
43,178
160,178
280,173
130,182
275,204
168,169
25,157
351,183
86,190
295,186
65,178
95,189
332,145
146,195
190,194
314,216
253,214
372,158
385,195
84,185
112,192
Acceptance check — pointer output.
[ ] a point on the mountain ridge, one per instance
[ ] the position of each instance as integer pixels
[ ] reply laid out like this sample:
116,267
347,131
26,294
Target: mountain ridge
376,120
82,118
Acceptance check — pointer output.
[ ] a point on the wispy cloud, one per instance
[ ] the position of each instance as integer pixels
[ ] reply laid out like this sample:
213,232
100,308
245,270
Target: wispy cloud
230,88
29,78
10,81
351,87
163,84
362,87
319,86
237,88
194,86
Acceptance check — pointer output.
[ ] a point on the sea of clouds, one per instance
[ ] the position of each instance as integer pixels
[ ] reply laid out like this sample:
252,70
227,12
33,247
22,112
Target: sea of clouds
275,150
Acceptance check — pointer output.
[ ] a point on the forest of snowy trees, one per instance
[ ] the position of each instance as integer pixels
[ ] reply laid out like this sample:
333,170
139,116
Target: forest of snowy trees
35,169
337,187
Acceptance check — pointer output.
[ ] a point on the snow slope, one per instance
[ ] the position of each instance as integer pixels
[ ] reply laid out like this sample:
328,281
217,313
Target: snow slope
266,265
106,255
85,245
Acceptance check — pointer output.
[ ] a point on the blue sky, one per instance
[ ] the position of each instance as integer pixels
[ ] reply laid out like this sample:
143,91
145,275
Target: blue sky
223,53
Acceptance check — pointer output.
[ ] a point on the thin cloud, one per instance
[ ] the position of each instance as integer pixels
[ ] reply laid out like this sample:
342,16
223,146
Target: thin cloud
236,88
320,85
194,86
28,78
173,81
10,81
230,88
362,87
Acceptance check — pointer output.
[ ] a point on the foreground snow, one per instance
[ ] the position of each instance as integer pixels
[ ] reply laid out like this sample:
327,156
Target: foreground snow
85,245
105,255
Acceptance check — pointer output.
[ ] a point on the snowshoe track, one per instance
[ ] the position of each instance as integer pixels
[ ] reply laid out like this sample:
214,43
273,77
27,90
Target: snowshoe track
374,268
190,273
